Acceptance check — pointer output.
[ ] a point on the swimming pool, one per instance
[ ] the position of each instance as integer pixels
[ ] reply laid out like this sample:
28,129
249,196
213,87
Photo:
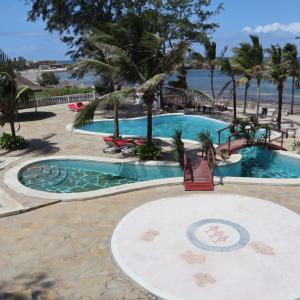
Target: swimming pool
260,162
164,126
77,176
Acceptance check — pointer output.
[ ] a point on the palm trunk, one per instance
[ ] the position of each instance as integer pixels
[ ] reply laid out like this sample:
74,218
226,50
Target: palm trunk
12,128
161,96
293,95
246,98
149,123
116,121
257,98
212,71
280,92
234,98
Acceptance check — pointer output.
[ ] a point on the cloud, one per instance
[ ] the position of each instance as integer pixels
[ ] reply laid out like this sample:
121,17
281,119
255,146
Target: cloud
293,28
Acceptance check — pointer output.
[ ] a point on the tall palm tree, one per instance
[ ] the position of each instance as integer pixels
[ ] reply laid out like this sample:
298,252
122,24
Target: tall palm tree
253,56
291,56
257,56
138,58
278,72
210,57
242,57
230,68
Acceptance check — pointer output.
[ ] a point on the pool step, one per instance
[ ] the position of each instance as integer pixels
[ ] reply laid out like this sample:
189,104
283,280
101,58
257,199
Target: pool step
45,176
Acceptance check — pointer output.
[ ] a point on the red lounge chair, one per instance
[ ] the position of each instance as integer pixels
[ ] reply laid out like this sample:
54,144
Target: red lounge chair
114,146
78,106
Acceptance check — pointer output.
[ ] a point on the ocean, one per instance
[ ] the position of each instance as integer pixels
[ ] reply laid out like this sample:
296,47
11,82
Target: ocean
198,79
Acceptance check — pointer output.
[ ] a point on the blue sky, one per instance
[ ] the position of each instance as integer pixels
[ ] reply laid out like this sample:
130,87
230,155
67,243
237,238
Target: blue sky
274,21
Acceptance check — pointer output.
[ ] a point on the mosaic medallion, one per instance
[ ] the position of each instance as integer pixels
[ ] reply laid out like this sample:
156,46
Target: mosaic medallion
218,235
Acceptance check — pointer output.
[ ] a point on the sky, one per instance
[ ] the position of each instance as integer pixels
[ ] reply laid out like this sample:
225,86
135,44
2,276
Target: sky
274,21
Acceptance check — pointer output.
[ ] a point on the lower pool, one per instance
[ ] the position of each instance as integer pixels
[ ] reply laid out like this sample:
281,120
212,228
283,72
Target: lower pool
261,162
76,176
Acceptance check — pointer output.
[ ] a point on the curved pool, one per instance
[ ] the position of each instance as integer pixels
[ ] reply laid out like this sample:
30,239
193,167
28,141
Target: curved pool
164,126
78,176
261,162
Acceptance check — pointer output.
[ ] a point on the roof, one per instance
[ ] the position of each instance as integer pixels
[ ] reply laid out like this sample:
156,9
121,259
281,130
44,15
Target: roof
22,81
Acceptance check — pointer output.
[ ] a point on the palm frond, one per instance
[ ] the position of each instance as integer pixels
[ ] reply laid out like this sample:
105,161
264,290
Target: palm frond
87,114
152,84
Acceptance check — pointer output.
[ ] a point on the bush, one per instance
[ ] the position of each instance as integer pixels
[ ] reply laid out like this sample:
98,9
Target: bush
48,78
8,142
69,90
151,151
178,147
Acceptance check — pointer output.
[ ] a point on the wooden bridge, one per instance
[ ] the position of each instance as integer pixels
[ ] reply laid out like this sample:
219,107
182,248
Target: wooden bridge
199,171
236,141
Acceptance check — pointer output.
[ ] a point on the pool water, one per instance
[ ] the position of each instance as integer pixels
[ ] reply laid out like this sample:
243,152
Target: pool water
163,126
73,176
261,162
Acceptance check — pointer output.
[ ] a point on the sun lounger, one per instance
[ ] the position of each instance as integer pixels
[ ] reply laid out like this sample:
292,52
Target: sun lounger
78,106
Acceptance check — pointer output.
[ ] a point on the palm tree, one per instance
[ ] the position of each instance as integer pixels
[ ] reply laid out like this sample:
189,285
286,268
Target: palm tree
291,56
9,94
256,55
230,68
137,57
242,57
278,72
210,57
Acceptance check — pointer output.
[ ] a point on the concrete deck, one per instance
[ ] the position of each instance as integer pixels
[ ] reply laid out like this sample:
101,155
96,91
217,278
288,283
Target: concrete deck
61,251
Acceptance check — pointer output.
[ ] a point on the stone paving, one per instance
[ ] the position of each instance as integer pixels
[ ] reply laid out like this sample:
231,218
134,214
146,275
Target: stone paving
61,251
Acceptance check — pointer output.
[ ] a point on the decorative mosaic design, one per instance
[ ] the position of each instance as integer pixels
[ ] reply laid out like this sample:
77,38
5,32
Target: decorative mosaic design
218,235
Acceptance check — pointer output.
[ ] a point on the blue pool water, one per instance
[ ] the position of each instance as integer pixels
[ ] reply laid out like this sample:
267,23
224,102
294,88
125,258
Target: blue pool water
72,176
262,163
163,126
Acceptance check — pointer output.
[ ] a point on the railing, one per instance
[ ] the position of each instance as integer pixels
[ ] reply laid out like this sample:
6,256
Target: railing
185,169
212,163
31,103
221,130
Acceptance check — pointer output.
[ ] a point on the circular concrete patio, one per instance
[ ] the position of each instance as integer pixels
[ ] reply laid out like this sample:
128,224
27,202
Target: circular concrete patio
211,247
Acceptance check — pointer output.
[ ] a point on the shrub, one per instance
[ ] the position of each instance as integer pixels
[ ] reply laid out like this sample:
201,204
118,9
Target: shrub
48,78
178,147
61,91
8,142
151,151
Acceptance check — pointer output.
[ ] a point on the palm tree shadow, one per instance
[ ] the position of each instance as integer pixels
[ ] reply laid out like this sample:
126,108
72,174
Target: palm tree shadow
40,147
27,287
34,116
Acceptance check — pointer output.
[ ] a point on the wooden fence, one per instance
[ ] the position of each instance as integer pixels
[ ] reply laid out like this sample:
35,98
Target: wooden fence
31,103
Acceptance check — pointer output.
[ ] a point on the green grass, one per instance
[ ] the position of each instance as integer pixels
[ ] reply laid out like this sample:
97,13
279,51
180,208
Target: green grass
62,91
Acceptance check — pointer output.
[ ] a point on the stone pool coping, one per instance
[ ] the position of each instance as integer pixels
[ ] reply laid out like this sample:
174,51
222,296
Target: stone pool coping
10,206
70,127
11,179
7,160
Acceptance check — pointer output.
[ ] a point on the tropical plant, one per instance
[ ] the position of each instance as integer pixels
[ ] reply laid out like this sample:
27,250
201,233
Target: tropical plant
278,72
243,59
204,137
148,151
129,52
290,53
256,56
9,94
230,68
10,142
178,147
210,57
